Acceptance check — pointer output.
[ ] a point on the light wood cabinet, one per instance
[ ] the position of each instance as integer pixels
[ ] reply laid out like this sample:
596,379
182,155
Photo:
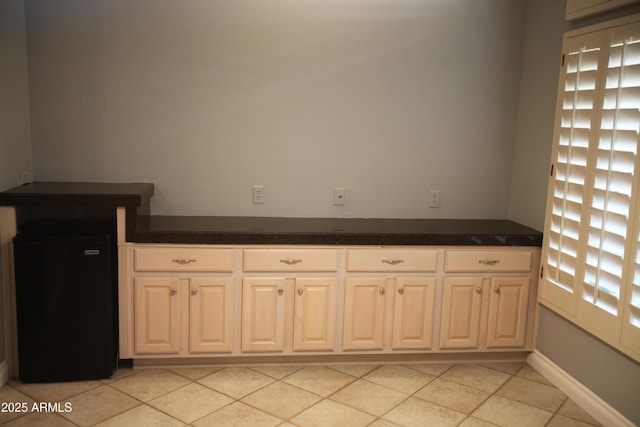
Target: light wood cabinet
391,310
157,315
290,313
177,310
490,308
287,301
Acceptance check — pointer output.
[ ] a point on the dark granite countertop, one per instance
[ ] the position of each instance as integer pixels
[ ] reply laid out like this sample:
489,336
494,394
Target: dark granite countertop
332,231
78,194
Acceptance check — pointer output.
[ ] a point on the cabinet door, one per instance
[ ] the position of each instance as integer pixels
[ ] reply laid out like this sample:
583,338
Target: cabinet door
263,312
508,311
461,305
211,315
315,314
364,314
413,313
156,311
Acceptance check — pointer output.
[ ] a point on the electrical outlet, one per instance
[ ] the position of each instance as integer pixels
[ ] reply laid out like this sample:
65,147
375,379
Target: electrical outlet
338,196
434,199
258,194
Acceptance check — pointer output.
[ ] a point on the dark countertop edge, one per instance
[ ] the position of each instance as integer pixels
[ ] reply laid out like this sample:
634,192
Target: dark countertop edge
129,195
172,230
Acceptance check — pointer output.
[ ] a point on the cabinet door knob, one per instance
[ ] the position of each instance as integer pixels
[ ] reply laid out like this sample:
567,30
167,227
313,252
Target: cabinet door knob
300,291
174,291
194,291
280,291
479,290
496,290
401,291
382,291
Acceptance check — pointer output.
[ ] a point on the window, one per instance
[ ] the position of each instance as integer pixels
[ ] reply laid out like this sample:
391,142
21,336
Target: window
592,234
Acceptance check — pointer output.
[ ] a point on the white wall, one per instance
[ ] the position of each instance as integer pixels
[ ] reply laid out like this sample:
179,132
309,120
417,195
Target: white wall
388,98
15,145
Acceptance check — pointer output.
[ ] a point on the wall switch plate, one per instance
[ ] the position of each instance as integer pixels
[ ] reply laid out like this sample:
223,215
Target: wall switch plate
434,199
258,194
338,196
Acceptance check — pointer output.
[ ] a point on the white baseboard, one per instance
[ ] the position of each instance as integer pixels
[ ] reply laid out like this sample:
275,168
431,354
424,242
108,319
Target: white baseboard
4,372
585,398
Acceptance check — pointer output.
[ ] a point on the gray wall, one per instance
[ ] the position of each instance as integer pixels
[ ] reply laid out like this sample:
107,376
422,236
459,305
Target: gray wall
609,374
388,98
15,147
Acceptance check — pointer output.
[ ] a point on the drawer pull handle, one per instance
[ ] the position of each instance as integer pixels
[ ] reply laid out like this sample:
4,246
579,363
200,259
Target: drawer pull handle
174,291
401,291
290,261
300,291
382,291
489,261
280,291
479,290
183,260
392,261
194,291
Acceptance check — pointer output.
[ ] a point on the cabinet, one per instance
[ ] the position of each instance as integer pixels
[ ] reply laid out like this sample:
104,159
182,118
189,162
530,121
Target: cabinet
485,308
291,312
401,304
177,312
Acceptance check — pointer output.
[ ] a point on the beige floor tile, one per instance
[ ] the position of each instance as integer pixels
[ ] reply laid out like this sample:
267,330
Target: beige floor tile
19,400
98,404
508,413
475,422
329,413
532,393
571,410
142,415
400,378
354,370
119,374
531,374
236,382
277,372
40,420
452,395
507,368
55,392
238,415
479,377
369,397
382,423
432,369
415,412
562,421
194,374
282,400
191,402
319,380
148,384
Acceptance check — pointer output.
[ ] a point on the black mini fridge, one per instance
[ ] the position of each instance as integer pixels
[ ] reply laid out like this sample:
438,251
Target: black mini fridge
66,305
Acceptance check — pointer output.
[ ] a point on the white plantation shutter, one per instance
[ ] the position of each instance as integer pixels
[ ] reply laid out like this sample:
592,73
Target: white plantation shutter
592,234
577,102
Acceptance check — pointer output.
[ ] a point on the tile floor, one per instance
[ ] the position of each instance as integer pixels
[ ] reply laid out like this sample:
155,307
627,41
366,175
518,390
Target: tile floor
467,395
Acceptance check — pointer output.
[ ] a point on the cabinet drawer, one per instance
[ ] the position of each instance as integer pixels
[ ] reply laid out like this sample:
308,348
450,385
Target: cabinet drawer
391,260
183,259
491,261
290,260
